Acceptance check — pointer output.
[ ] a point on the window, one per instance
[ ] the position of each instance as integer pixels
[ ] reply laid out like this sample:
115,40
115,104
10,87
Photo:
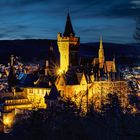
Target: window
30,90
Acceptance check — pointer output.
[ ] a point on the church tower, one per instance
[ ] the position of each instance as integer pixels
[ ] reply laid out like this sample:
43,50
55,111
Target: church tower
101,54
68,46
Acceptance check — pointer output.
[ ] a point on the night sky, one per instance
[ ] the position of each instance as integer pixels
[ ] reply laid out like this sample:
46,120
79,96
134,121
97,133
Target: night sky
26,19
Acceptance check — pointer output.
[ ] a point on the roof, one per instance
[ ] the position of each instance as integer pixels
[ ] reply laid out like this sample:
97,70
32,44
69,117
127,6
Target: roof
109,65
33,80
54,94
85,60
28,80
73,77
68,28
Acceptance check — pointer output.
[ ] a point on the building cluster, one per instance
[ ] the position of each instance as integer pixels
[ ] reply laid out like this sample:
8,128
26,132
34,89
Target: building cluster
86,85
132,75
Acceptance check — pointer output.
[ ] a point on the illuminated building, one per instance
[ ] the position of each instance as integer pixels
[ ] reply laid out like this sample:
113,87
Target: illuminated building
8,121
68,47
105,69
73,81
28,95
91,83
85,85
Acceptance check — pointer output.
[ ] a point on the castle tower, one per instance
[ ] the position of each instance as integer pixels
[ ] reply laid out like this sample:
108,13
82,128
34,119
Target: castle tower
12,75
50,62
101,54
68,46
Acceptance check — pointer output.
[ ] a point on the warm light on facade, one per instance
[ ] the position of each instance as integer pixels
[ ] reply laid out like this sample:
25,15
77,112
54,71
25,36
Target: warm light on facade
64,44
8,119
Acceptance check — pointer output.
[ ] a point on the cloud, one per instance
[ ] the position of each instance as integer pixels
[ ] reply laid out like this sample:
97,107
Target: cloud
13,3
44,18
107,8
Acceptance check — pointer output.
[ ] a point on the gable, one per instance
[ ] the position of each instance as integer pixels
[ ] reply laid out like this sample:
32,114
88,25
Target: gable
83,80
60,81
114,67
109,66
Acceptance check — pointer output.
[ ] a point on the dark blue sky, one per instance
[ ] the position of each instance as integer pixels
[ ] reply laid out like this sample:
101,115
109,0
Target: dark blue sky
113,19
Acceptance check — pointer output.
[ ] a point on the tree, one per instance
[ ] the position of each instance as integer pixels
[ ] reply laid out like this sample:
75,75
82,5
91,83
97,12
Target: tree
112,108
59,122
137,31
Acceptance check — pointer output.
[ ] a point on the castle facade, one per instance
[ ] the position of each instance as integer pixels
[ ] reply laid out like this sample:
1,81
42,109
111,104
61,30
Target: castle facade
91,84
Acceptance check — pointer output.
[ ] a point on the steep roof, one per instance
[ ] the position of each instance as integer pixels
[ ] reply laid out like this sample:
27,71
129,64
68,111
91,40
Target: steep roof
54,94
43,82
73,77
68,28
109,66
33,80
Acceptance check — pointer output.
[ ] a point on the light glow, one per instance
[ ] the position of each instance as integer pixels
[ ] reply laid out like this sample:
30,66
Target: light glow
8,121
59,72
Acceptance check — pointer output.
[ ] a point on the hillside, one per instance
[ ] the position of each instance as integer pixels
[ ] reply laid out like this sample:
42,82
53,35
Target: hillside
32,49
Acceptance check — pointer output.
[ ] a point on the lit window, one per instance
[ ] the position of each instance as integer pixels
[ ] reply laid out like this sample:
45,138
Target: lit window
30,90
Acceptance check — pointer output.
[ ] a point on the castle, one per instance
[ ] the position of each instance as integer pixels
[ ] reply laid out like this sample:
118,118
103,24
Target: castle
95,81
85,85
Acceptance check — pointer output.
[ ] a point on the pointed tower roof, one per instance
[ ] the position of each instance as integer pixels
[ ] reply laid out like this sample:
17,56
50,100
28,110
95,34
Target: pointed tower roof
101,43
68,27
101,54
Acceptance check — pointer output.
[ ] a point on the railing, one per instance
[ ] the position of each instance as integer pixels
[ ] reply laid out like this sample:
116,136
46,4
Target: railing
69,39
16,101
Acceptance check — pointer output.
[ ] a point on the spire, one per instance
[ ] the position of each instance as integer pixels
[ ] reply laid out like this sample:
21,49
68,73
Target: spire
101,54
68,27
101,43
